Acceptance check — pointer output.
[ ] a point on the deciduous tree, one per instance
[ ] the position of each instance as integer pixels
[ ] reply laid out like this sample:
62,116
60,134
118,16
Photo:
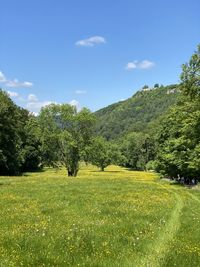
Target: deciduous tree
66,133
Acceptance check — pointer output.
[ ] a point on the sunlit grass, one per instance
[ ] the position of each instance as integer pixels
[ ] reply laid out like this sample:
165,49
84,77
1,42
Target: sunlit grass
112,218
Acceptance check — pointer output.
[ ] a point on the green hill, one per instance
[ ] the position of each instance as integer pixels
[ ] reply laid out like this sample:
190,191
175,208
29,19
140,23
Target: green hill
136,113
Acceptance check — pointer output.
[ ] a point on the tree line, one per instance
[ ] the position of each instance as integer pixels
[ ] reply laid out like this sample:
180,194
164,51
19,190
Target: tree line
62,136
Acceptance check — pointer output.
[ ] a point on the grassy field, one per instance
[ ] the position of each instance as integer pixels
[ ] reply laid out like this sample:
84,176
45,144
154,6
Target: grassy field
115,218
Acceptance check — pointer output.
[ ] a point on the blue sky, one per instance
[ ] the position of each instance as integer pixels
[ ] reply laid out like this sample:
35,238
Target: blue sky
92,52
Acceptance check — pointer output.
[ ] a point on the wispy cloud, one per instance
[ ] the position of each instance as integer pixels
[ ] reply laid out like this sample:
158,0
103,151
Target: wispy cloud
32,98
14,83
81,92
31,102
144,64
2,77
12,94
94,40
35,106
76,104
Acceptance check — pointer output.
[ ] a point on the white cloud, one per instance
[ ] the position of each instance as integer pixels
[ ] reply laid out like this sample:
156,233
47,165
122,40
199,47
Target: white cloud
27,84
76,104
35,106
15,83
144,64
80,92
12,94
2,77
94,40
131,65
32,98
34,113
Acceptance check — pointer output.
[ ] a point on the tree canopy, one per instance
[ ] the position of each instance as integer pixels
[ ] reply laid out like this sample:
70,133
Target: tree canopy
180,132
66,133
19,142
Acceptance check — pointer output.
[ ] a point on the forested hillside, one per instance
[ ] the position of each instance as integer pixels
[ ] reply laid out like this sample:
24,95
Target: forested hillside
136,113
156,129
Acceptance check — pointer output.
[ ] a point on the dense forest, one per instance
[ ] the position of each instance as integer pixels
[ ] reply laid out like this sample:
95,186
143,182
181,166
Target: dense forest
156,129
137,113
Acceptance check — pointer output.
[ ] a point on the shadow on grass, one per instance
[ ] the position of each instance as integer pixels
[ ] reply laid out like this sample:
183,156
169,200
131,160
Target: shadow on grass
145,171
4,183
188,186
28,173
176,184
106,171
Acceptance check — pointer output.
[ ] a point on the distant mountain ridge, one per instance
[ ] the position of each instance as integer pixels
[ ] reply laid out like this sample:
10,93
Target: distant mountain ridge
135,113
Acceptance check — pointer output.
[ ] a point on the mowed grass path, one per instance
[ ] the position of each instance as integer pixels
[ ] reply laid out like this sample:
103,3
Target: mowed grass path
112,218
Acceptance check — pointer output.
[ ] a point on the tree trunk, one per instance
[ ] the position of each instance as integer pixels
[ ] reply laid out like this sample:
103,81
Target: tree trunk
72,170
102,169
69,172
73,163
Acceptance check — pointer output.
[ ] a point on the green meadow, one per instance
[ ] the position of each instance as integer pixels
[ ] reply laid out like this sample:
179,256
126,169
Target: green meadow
113,218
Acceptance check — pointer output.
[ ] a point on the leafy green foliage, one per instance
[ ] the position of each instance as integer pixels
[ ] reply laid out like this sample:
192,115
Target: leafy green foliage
66,133
31,148
190,76
103,153
100,153
138,149
180,133
19,138
10,139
